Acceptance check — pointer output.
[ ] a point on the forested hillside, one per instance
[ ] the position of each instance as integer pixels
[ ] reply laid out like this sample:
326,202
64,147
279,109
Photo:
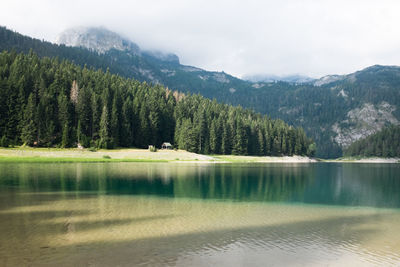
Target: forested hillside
385,143
335,110
137,64
48,102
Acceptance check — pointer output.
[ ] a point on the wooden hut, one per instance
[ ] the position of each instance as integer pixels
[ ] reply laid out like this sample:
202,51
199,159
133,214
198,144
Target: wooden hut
166,145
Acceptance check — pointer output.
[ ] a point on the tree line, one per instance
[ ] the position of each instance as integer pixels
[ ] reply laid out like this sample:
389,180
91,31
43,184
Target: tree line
53,103
385,143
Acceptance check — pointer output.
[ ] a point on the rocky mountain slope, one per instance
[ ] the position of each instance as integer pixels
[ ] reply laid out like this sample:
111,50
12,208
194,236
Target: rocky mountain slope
275,78
97,39
371,98
101,40
335,110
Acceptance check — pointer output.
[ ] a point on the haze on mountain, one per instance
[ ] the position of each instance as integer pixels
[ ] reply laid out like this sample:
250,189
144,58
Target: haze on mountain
335,110
312,38
295,78
335,120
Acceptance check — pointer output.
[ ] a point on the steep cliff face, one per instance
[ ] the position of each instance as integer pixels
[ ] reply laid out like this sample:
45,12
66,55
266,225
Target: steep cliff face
152,66
265,78
97,39
364,121
101,40
335,110
367,101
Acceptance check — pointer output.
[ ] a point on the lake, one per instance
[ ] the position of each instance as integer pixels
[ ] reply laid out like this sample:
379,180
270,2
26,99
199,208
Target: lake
164,214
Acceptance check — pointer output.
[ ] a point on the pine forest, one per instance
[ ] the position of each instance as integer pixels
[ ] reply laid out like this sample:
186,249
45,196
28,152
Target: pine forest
385,143
50,102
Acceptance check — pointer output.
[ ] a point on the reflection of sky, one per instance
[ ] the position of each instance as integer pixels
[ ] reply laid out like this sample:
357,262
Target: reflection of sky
109,230
172,214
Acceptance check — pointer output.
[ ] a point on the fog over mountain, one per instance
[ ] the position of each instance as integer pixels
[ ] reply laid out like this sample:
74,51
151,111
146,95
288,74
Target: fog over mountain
335,110
95,38
296,78
312,38
102,40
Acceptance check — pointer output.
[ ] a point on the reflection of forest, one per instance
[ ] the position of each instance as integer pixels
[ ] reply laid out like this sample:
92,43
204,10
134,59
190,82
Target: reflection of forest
234,182
56,221
255,183
374,185
333,184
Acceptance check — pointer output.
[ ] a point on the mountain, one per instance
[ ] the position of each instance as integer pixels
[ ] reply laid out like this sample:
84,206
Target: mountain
274,78
148,65
385,143
97,39
335,110
370,101
49,103
101,40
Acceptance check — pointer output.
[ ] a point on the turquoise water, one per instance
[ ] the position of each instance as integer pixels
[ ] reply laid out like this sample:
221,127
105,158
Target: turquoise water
126,214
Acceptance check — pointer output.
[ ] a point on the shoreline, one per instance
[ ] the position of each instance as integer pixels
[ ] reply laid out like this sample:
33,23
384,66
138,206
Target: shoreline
364,160
56,155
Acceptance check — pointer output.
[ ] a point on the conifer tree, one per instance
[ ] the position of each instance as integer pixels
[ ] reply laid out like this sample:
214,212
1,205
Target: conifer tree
226,140
84,116
215,138
59,104
144,130
105,140
96,115
128,119
240,139
115,120
261,142
65,140
64,116
29,130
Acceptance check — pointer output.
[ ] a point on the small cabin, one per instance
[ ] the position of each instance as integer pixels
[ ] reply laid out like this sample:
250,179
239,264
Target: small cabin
166,145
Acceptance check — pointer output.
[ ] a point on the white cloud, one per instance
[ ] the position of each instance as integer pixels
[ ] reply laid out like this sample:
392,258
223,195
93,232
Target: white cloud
309,37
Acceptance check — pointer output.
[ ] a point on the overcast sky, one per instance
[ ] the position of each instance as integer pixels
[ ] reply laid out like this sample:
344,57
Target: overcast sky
311,37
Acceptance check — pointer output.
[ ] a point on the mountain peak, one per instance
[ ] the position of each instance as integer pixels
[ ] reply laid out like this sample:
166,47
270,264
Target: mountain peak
295,78
380,68
102,40
98,39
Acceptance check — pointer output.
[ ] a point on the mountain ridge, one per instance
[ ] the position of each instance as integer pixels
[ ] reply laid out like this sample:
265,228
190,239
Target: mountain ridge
268,78
337,110
101,40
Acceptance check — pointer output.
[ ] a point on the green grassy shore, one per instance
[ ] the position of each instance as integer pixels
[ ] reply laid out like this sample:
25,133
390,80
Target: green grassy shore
360,159
55,155
28,154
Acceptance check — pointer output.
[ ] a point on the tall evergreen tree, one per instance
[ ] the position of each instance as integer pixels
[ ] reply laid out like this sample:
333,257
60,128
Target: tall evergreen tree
64,116
96,115
261,142
226,140
105,140
60,104
215,138
29,130
240,139
116,121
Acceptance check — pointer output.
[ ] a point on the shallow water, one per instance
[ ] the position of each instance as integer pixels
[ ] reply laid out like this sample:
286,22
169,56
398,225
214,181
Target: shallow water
158,214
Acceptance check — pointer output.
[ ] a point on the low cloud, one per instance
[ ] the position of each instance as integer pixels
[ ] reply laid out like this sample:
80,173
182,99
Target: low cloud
308,37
